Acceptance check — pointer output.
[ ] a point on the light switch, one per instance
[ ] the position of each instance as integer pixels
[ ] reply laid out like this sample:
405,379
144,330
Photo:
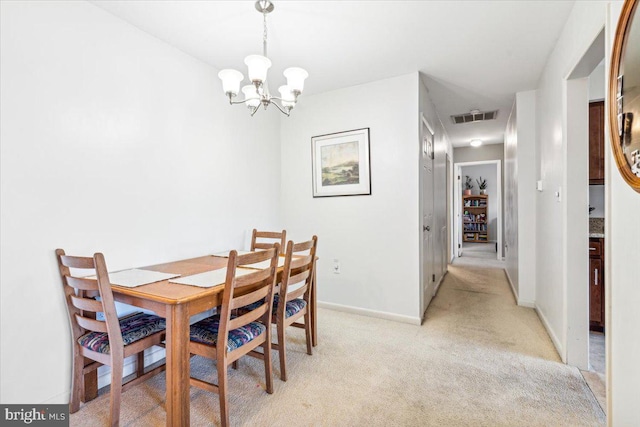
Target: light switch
336,266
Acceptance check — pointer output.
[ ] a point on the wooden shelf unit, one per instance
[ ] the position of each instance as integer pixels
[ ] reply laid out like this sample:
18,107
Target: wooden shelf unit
474,218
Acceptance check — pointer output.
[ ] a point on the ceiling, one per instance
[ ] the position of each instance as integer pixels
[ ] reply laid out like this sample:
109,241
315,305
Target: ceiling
471,54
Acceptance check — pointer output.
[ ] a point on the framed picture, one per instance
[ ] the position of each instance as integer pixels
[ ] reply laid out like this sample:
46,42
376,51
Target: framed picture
340,163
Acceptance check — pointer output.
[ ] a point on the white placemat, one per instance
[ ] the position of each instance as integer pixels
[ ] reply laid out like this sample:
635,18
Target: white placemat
136,277
209,279
225,254
264,264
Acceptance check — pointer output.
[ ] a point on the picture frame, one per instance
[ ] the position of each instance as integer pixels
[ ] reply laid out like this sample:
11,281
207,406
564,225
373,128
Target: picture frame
341,164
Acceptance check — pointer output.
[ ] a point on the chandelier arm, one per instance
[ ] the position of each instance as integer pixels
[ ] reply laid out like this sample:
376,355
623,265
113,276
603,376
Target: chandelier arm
280,108
255,110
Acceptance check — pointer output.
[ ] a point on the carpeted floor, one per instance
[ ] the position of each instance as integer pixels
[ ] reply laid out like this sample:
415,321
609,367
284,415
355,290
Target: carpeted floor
478,360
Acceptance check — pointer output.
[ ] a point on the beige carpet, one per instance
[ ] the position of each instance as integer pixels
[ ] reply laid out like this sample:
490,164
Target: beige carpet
478,360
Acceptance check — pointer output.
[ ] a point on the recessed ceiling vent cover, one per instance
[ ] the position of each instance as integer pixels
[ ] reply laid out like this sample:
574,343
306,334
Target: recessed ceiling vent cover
475,116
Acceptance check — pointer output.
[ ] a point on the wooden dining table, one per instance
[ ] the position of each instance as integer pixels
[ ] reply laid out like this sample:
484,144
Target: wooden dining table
177,303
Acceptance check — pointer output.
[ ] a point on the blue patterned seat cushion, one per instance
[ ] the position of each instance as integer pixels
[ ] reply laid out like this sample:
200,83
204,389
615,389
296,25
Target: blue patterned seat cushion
134,328
293,306
206,332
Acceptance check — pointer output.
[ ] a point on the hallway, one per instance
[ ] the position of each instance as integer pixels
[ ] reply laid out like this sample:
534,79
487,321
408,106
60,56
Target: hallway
507,352
477,360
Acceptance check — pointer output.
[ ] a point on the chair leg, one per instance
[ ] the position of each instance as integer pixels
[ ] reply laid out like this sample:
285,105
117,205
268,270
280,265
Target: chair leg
116,391
77,383
307,331
268,370
222,392
282,351
234,365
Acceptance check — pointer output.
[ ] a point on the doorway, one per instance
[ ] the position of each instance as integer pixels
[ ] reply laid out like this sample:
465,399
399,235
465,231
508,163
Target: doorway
472,243
579,282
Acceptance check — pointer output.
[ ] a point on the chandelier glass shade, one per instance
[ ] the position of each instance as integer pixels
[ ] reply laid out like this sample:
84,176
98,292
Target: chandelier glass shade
257,93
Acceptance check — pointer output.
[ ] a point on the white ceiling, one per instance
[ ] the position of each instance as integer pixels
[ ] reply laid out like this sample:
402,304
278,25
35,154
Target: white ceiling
472,54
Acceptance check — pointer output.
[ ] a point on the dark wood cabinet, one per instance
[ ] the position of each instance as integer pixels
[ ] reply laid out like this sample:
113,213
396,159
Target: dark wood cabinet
596,284
596,142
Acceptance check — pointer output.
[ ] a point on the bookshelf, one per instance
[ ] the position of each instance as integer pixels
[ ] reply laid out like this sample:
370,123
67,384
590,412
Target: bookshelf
474,218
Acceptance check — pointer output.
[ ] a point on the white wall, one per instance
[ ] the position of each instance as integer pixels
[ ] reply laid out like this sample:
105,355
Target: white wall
622,243
597,83
511,211
478,154
375,237
582,28
596,200
488,172
112,141
519,207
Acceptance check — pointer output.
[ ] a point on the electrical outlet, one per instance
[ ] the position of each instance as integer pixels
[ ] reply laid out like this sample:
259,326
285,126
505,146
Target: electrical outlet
336,266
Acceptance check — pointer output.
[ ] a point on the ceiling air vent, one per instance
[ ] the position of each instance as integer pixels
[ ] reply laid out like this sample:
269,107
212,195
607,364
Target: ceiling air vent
475,116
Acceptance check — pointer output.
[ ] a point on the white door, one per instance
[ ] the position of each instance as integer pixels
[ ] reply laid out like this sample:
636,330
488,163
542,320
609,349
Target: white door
446,241
428,285
458,208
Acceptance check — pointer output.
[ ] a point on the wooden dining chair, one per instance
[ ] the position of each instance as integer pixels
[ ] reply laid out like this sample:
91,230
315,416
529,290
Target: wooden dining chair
266,239
293,299
225,337
104,342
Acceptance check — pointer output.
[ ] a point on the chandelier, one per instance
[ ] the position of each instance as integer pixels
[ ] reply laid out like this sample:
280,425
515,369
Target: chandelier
257,93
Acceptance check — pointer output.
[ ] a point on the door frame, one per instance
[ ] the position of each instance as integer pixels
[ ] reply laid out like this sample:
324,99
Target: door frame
575,218
458,204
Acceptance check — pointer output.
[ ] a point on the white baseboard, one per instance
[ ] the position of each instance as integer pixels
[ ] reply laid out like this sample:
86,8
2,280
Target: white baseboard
371,313
151,356
552,335
519,301
513,288
60,399
528,304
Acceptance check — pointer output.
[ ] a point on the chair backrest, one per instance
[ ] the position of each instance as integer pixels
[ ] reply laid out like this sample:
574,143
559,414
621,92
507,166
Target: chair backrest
240,291
298,268
271,238
80,292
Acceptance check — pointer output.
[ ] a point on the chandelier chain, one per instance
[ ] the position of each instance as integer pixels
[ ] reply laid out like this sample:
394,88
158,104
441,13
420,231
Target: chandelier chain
264,36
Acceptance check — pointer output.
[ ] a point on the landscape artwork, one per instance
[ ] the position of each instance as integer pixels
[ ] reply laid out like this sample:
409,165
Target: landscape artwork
341,164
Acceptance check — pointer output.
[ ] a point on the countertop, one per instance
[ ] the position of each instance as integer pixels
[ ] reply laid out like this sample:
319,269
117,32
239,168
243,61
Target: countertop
596,228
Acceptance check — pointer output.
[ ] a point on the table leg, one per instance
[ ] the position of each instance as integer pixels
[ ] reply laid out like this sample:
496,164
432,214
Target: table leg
90,378
90,383
177,346
314,311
